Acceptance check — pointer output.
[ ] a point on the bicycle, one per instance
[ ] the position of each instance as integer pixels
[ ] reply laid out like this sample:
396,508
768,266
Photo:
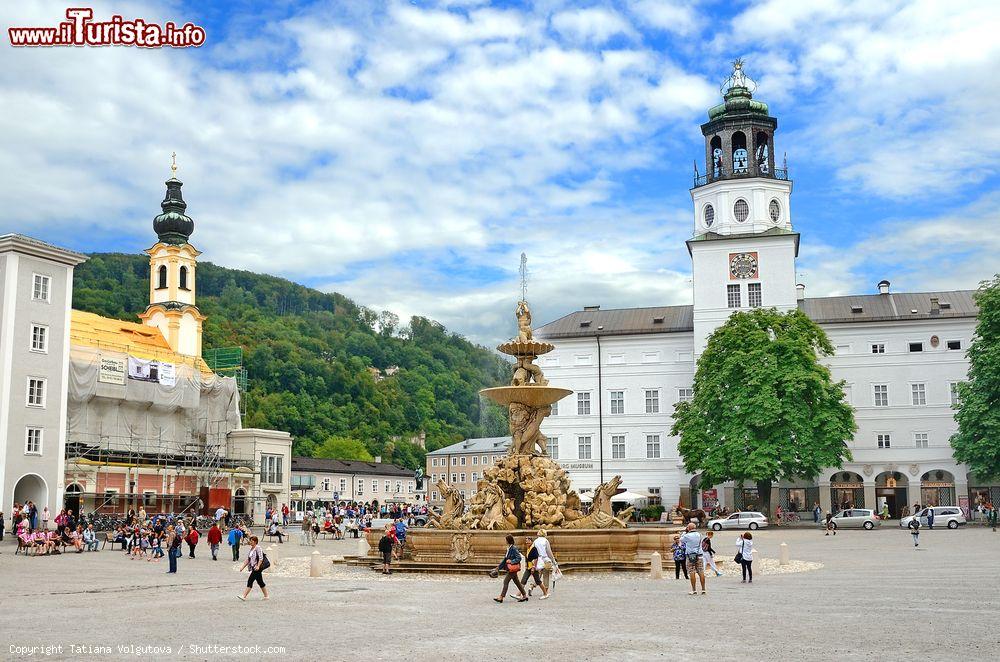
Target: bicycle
789,517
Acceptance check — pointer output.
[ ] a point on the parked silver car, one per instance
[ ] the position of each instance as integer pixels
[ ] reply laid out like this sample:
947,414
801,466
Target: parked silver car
742,520
950,516
854,518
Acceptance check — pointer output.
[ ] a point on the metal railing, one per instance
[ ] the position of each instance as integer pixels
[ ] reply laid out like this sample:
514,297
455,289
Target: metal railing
715,176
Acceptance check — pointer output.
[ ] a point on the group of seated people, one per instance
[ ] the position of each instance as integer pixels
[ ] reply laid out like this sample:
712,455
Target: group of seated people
42,542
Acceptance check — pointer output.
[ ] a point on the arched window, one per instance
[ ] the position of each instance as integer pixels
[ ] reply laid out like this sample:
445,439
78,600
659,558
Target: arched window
762,153
739,152
184,278
161,277
715,167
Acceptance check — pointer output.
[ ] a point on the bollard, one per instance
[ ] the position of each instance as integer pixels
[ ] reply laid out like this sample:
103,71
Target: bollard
271,557
362,547
655,566
315,565
783,554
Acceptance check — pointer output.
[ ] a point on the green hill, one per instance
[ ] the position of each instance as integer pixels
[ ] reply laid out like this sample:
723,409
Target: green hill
308,356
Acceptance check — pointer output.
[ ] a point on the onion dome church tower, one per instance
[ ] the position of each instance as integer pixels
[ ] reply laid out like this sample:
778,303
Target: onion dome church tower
172,264
743,248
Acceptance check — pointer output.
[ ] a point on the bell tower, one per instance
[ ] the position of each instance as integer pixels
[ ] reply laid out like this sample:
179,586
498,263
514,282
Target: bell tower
172,265
743,248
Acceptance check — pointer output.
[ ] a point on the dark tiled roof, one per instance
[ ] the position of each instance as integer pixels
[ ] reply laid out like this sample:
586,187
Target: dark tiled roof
893,307
324,465
619,322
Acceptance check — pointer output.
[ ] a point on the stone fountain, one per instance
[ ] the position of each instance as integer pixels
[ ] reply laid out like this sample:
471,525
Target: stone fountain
527,490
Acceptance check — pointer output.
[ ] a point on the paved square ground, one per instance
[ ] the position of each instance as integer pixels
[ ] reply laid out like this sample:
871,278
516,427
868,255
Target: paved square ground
874,598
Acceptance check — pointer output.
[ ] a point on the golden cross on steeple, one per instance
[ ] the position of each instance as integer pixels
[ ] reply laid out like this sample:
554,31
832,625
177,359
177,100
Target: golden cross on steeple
173,164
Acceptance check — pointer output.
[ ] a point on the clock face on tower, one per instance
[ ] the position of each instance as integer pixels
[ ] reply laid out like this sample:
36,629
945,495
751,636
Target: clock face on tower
742,266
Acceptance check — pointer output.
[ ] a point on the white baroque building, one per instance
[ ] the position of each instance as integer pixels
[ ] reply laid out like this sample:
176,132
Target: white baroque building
900,354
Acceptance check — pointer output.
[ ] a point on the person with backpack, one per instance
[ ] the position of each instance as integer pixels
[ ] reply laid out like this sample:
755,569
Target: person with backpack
914,527
257,562
235,538
385,545
693,553
510,566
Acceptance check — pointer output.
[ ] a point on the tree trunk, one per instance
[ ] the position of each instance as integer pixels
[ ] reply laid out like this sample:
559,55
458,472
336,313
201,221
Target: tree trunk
764,493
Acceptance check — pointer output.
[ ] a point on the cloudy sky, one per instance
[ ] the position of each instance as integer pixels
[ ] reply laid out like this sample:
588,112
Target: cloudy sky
406,153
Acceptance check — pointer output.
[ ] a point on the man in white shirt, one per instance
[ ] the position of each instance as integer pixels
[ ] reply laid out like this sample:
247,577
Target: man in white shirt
695,563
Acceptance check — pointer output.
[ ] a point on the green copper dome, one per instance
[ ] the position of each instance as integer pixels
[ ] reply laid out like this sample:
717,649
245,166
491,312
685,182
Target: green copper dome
173,226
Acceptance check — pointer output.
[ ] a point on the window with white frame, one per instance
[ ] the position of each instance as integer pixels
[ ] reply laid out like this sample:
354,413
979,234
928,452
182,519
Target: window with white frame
326,484
583,404
399,486
954,344
388,484
953,392
916,347
733,296
454,461
41,289
584,447
652,401
410,487
374,486
361,487
652,446
454,478
33,441
343,484
685,394
552,446
475,459
434,461
882,439
753,295
434,495
878,348
618,446
920,439
554,409
36,392
484,459
918,393
461,478
617,402
39,338
270,468
475,476
461,461
880,393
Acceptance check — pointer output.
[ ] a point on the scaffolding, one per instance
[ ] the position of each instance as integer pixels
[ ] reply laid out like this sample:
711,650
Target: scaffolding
228,362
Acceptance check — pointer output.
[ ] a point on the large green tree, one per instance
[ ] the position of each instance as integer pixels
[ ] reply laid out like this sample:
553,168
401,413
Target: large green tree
764,407
977,442
343,448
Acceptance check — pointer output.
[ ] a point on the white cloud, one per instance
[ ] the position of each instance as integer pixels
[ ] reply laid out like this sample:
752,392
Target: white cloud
675,16
593,25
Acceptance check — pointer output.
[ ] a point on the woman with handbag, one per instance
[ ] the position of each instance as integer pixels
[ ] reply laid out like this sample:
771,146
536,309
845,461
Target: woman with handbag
257,563
744,555
510,566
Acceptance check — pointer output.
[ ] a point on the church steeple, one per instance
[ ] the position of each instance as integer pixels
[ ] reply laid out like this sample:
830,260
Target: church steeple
172,265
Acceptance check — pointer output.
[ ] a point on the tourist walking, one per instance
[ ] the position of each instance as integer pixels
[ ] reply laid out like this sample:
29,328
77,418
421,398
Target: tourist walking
510,566
817,512
214,538
545,563
830,526
679,560
192,540
385,545
914,527
709,556
744,556
930,518
235,538
173,549
691,540
284,514
257,563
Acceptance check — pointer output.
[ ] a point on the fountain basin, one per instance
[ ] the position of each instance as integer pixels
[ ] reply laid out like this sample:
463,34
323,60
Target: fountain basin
531,395
526,347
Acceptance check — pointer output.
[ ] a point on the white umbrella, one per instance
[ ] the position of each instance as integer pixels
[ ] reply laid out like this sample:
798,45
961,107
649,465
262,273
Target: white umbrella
629,497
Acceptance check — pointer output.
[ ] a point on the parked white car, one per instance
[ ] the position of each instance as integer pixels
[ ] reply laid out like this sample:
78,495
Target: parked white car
854,518
950,516
742,520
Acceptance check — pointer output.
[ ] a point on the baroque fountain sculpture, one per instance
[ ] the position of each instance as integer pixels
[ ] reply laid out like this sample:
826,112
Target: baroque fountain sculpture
527,489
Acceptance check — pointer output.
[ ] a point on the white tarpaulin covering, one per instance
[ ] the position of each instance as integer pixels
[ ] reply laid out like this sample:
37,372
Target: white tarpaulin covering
195,408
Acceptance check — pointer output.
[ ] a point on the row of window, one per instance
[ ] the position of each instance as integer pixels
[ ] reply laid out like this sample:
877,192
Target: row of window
878,348
271,469
918,394
616,398
461,461
326,482
734,295
616,358
455,477
585,447
161,278
920,439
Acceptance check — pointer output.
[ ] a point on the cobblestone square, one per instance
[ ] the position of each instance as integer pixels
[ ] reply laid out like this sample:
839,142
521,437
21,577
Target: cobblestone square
874,597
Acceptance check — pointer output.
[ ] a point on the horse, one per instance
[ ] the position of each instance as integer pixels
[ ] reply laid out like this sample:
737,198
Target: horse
687,515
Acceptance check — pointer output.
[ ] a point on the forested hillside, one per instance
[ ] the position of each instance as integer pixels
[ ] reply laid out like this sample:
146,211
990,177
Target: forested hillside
308,356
